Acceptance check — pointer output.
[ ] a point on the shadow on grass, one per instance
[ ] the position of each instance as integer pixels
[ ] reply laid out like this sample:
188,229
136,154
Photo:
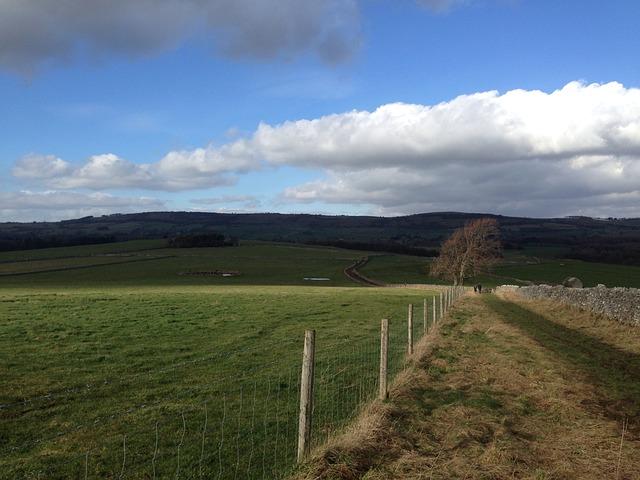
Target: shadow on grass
614,372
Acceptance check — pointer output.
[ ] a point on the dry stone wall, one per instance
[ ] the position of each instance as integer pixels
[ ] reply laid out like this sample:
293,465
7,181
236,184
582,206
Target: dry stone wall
621,304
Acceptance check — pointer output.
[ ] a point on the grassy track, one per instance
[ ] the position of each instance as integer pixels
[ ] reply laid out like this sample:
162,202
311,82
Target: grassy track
507,390
614,371
96,362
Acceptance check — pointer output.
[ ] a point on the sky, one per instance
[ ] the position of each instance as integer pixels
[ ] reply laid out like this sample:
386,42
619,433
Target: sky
356,107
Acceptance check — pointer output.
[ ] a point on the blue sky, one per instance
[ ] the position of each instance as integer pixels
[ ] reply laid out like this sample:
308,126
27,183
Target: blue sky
124,95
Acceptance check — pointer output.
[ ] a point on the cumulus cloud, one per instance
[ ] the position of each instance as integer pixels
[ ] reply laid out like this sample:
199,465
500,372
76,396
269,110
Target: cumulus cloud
56,205
40,166
178,170
33,32
574,150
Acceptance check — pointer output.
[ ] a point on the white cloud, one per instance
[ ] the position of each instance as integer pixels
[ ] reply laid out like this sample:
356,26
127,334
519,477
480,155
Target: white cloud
178,170
40,166
523,152
483,127
33,32
57,205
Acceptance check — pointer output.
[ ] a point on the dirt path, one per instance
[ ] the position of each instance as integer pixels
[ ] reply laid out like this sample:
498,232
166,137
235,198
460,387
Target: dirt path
505,390
354,275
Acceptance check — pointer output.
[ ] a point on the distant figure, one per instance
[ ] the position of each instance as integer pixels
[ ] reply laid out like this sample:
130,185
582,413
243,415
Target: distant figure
477,288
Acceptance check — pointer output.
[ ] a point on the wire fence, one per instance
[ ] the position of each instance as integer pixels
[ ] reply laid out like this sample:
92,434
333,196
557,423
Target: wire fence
243,425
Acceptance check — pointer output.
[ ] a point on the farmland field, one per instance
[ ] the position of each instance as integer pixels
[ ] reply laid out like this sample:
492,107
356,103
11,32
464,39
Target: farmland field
130,264
119,362
515,269
132,370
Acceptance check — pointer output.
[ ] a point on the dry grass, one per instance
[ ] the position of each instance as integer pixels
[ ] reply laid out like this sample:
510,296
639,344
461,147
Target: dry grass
483,400
598,326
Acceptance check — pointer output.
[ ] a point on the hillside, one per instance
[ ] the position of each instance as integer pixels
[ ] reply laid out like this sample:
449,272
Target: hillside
612,240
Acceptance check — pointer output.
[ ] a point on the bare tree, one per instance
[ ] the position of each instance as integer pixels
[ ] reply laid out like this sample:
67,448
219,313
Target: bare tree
470,250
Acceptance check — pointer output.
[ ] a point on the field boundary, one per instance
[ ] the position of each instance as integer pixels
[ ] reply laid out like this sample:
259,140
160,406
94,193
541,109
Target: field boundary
618,303
82,267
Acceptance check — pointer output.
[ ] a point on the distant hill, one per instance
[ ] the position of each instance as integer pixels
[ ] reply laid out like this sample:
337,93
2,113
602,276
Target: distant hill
615,240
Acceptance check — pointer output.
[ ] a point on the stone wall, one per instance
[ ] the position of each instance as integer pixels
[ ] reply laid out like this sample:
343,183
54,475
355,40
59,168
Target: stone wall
622,304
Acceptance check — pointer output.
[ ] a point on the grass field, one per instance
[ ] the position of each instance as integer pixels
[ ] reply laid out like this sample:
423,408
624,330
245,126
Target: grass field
81,250
117,365
515,269
129,369
145,264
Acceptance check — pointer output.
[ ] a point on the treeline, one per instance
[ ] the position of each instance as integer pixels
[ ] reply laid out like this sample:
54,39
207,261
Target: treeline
32,242
377,247
203,240
618,251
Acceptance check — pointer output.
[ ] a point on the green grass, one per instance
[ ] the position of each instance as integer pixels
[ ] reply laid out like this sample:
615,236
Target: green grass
115,345
517,268
591,274
401,269
258,263
81,250
94,360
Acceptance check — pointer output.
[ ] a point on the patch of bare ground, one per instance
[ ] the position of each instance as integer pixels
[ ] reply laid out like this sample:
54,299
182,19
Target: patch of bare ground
485,398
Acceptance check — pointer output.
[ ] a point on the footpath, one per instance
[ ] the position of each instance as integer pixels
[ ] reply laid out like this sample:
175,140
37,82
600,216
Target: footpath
503,389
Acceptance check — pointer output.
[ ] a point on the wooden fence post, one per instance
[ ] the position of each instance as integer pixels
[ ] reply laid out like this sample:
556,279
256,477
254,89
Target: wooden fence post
384,351
441,306
410,330
306,394
424,317
434,311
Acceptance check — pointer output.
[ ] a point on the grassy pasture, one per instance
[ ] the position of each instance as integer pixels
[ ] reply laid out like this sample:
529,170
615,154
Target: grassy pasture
125,370
259,264
408,269
80,250
115,365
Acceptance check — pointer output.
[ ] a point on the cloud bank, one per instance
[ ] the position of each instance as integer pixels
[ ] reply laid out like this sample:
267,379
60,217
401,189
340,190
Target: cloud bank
33,32
574,150
55,205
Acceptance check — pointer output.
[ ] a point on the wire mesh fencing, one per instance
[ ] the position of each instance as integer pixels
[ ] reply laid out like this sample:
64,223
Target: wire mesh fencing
243,424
